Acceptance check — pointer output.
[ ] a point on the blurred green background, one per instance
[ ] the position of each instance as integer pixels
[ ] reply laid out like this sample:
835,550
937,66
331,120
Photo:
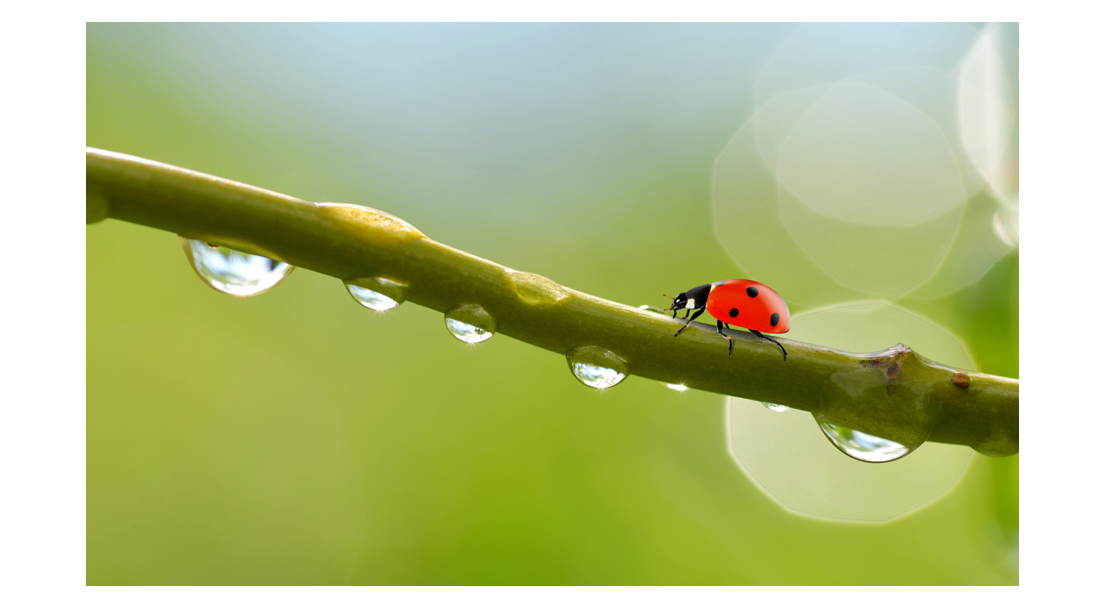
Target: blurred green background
297,437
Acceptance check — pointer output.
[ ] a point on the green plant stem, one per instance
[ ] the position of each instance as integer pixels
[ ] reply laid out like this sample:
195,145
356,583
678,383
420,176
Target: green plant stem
894,394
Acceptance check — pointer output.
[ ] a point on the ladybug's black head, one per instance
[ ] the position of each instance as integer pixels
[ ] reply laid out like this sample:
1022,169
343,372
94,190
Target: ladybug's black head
680,302
693,299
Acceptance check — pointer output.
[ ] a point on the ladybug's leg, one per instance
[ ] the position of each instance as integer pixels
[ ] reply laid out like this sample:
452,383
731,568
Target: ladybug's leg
759,334
720,325
693,317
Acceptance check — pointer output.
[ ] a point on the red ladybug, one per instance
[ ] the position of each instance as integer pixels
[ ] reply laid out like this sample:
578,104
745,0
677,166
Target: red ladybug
744,303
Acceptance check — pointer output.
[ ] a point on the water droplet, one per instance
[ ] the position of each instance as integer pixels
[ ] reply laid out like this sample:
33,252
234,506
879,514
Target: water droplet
677,387
379,294
371,299
370,225
470,324
806,475
234,273
864,447
534,289
595,376
776,407
596,367
466,332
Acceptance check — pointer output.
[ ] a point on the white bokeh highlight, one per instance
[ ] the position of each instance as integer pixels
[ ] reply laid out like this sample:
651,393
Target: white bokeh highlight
867,169
861,155
791,460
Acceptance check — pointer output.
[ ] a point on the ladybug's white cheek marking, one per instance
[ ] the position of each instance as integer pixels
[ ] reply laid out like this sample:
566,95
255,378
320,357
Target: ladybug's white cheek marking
691,304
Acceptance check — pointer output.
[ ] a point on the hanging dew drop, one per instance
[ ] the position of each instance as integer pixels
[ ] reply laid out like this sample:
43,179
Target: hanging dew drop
465,332
596,367
597,377
232,272
378,294
776,407
676,387
368,298
470,323
862,446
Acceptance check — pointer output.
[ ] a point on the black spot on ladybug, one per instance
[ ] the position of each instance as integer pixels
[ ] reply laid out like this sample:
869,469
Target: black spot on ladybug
752,291
733,313
775,318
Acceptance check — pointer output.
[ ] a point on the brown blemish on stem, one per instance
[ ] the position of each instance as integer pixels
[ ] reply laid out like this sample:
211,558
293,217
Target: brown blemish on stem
893,371
960,380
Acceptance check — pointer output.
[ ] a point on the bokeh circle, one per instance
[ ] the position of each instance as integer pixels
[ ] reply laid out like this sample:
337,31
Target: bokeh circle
791,460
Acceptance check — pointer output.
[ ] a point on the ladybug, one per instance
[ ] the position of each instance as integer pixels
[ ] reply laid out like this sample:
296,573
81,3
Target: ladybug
744,303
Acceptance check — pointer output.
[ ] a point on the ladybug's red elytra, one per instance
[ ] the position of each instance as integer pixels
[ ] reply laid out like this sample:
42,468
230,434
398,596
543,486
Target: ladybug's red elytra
744,303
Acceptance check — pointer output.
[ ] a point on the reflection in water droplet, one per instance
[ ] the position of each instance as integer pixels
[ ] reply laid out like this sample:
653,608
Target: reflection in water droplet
863,447
597,377
676,387
466,332
232,272
776,407
379,294
596,367
369,298
470,323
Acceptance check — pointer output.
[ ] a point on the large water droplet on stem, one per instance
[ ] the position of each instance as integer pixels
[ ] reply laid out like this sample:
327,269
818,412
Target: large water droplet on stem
470,324
232,272
379,294
596,367
776,407
862,446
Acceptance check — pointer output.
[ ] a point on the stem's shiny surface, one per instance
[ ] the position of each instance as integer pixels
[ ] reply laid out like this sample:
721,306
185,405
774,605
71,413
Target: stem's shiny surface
894,394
